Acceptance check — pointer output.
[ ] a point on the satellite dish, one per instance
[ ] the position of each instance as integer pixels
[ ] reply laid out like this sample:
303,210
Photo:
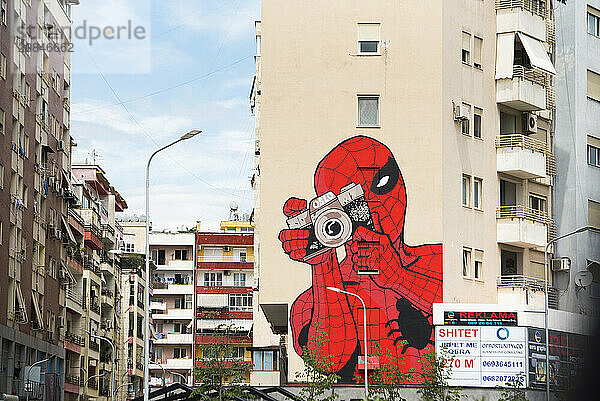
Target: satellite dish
233,205
583,278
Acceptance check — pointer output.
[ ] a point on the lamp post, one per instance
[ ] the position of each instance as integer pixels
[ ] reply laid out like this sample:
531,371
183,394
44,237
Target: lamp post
365,333
88,379
121,385
547,331
113,357
180,375
184,137
29,371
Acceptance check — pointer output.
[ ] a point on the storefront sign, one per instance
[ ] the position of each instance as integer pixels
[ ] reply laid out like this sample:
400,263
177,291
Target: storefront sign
480,318
483,356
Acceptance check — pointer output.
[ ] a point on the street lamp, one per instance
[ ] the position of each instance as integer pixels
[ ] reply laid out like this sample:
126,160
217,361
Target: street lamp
579,230
90,378
114,358
180,375
184,137
365,333
164,374
118,387
29,371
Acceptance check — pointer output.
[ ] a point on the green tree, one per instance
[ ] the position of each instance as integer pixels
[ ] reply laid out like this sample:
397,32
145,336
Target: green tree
385,383
434,376
222,373
514,390
317,368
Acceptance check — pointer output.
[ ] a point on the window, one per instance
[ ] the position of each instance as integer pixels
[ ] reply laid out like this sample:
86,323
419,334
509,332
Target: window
466,48
466,123
466,190
188,301
478,264
1,232
213,279
593,147
237,353
265,360
3,11
537,202
1,176
368,111
240,302
593,85
179,353
178,303
2,121
466,269
368,38
239,279
594,214
477,47
2,66
181,254
25,195
477,114
593,21
26,145
477,190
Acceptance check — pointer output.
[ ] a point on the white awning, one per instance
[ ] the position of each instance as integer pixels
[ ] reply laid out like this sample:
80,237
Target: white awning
537,54
69,232
21,302
505,54
70,276
36,310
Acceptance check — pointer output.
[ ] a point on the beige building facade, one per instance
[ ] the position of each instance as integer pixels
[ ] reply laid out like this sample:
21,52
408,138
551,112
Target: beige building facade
460,96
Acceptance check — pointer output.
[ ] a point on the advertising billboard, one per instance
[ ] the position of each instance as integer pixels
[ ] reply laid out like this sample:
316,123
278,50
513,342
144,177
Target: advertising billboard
483,356
455,318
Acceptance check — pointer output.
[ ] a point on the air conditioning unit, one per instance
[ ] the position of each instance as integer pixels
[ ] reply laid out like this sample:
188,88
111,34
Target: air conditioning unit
530,122
60,145
60,322
226,249
561,264
461,112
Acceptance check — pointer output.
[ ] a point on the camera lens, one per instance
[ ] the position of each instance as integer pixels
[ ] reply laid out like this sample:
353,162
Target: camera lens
333,228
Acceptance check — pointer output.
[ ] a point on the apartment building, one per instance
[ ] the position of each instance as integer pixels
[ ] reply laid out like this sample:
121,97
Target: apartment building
133,282
437,120
34,188
93,299
578,135
223,287
172,307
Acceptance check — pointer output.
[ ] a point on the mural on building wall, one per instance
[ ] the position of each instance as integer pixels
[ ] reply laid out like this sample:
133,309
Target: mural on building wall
360,206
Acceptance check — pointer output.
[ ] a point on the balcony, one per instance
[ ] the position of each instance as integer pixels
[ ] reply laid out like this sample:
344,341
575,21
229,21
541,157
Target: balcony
174,314
522,156
173,289
74,301
108,234
525,290
162,306
73,342
72,383
522,226
208,338
74,264
94,346
177,265
527,16
173,364
525,90
226,262
95,307
174,338
92,265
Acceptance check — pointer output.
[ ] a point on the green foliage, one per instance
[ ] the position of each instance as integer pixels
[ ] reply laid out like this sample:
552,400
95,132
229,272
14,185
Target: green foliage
222,375
514,390
130,262
317,368
435,374
74,251
385,383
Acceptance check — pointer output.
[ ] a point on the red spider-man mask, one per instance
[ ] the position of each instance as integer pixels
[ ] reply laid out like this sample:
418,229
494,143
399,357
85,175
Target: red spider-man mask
365,161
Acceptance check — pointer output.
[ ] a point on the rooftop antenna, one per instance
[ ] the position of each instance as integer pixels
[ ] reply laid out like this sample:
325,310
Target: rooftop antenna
233,211
95,156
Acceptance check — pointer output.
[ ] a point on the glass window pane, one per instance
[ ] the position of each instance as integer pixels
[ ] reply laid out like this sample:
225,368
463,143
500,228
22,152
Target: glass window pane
477,122
268,360
368,46
368,111
592,25
257,360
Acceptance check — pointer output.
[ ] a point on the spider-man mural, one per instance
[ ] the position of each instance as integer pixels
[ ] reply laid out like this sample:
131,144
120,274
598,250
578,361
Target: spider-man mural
361,204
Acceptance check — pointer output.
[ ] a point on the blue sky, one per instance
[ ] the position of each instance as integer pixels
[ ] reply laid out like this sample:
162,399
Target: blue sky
198,56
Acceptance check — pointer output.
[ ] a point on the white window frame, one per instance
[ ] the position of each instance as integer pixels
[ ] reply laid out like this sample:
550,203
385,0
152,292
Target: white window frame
466,190
368,96
477,193
467,261
592,149
480,65
478,264
465,52
359,41
478,111
236,279
596,20
466,122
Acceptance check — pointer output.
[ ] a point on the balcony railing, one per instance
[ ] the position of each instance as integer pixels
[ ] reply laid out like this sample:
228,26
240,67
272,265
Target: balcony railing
537,7
94,346
91,265
73,379
533,75
74,296
74,338
231,258
521,281
93,384
95,307
107,292
522,212
521,141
